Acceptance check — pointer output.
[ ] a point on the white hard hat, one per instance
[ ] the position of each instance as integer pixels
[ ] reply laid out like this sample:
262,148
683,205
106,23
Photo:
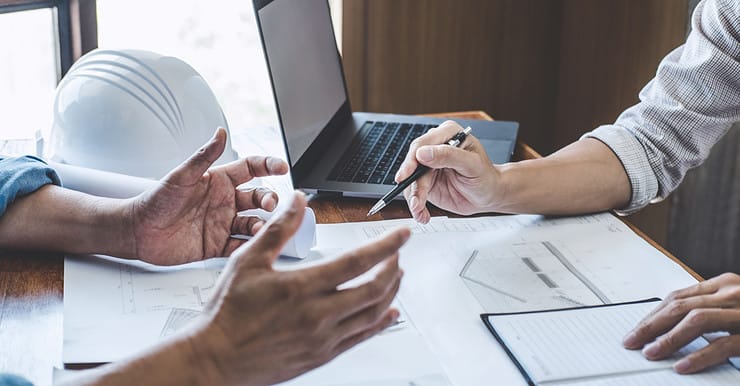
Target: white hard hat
133,112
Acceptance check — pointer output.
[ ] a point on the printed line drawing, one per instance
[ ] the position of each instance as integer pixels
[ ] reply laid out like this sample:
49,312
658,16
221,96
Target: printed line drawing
527,276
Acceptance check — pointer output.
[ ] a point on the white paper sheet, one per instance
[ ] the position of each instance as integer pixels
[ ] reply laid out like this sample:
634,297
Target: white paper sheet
592,259
115,309
585,345
101,183
397,356
616,262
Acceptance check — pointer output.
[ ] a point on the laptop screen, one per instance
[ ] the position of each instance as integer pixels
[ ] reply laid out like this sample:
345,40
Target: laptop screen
305,68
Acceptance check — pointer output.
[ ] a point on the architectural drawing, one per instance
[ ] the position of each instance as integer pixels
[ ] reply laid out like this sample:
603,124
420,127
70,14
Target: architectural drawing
527,276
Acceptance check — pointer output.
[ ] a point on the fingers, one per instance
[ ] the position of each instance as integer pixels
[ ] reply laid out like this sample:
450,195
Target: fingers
246,225
416,193
696,323
232,244
706,287
434,136
328,276
269,241
714,354
376,294
416,197
371,313
245,169
387,320
463,161
190,171
647,330
257,198
663,320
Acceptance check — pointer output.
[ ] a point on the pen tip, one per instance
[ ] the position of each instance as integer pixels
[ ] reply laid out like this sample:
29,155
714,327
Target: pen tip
376,208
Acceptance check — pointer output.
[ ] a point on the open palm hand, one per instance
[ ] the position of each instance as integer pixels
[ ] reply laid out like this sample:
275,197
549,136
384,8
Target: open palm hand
195,209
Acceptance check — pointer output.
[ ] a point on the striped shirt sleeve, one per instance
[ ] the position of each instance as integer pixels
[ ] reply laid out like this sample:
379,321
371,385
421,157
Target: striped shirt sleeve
691,103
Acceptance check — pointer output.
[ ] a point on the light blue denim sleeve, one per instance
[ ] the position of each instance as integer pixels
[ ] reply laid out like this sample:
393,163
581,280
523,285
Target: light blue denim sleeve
13,380
20,176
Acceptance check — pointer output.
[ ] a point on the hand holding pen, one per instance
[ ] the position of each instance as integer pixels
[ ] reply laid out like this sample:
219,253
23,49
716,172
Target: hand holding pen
462,179
454,141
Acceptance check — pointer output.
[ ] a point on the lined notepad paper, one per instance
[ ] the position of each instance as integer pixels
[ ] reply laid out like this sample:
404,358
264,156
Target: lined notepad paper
584,346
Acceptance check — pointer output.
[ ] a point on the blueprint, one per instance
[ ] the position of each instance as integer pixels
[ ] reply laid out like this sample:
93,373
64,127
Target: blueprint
115,307
149,291
496,278
455,269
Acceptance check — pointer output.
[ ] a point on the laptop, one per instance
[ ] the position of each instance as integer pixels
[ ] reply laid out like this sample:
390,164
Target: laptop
331,149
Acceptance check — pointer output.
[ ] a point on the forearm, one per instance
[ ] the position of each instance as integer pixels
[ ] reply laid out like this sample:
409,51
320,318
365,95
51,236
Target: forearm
62,220
583,177
171,363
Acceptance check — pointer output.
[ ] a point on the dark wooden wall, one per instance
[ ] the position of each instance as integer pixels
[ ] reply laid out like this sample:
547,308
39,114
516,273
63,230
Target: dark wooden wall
559,67
424,56
705,212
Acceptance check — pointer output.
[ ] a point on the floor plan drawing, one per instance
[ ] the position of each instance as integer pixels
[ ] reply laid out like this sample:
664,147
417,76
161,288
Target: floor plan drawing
527,276
147,291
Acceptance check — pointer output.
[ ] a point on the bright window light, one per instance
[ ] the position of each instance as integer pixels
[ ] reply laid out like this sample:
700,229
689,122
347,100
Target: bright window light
219,39
28,72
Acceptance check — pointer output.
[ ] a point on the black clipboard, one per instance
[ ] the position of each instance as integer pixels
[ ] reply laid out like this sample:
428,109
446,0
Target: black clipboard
500,340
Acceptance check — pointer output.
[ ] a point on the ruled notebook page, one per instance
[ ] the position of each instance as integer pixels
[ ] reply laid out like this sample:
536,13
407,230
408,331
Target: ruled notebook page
574,346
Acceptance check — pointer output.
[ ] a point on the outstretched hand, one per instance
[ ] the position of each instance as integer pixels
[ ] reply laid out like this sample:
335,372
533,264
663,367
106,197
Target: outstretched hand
264,326
192,213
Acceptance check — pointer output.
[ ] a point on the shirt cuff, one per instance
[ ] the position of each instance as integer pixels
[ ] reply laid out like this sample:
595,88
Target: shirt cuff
644,183
21,176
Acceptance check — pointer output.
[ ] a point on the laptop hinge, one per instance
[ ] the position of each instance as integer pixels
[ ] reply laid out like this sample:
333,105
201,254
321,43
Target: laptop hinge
327,194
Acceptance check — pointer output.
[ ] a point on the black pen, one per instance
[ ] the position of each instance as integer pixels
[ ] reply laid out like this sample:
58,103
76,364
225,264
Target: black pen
455,141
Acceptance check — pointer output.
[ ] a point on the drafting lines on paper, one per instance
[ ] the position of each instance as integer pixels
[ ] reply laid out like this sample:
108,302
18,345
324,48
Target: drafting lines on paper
527,276
148,291
373,230
492,224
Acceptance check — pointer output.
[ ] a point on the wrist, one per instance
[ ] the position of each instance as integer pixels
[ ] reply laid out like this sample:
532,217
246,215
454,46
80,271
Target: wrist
204,347
111,227
171,363
499,190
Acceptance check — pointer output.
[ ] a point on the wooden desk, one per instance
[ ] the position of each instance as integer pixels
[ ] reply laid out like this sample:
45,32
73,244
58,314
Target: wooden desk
31,284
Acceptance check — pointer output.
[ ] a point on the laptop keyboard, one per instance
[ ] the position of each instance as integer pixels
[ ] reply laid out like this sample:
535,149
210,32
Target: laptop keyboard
376,152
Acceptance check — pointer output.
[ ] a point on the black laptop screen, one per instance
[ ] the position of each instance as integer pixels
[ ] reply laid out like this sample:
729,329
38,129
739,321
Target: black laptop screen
305,68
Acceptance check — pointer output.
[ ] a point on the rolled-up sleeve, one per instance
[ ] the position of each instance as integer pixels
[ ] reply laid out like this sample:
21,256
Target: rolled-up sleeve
20,176
691,103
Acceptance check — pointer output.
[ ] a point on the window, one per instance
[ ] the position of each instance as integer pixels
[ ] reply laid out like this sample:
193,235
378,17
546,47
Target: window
36,47
219,39
28,72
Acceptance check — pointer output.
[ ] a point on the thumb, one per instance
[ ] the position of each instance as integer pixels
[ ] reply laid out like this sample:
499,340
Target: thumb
190,171
464,162
264,249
